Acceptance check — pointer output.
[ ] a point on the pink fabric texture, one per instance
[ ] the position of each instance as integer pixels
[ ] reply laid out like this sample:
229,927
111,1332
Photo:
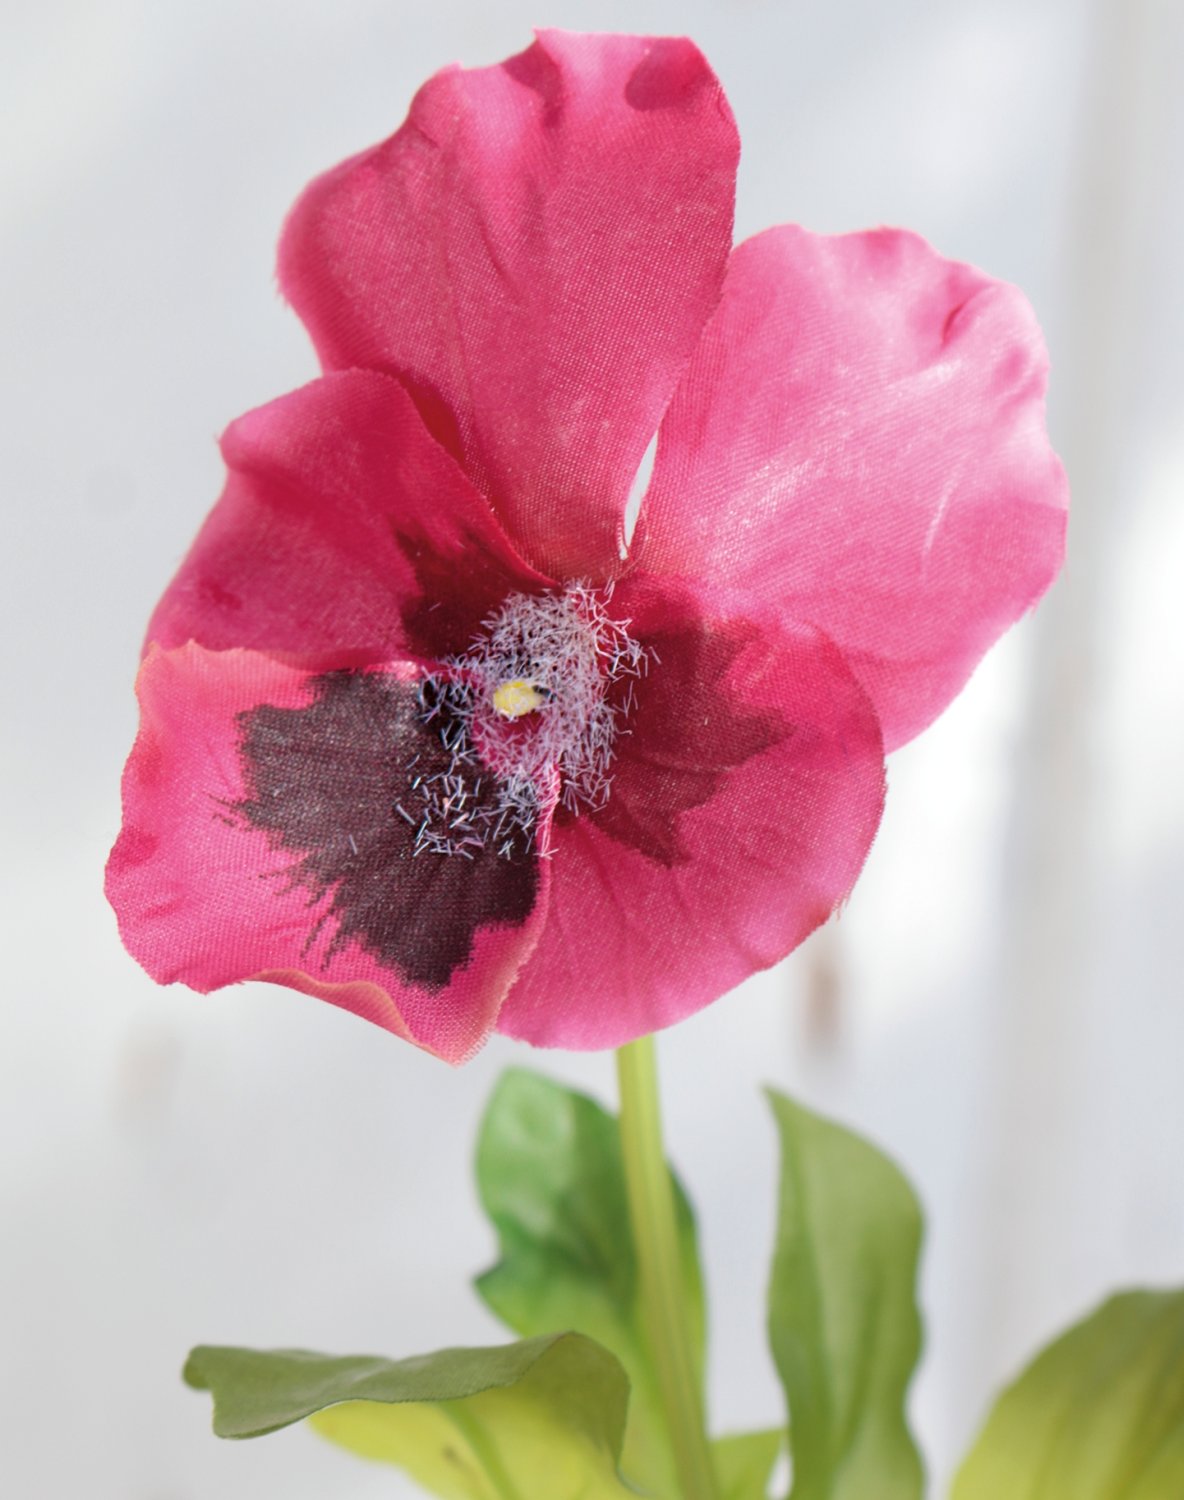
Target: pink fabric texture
853,497
534,254
743,805
337,499
211,901
861,436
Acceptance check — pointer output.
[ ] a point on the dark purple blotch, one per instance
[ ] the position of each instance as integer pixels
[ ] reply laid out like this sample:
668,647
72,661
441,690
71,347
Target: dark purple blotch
459,584
325,783
686,731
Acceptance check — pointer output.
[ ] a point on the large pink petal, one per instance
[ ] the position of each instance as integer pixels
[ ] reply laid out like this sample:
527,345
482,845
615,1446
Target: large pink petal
861,438
262,840
535,254
733,829
343,528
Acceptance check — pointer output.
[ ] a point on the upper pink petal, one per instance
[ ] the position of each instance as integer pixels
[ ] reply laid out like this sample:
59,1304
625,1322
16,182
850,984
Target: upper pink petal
262,839
344,528
860,439
744,802
535,254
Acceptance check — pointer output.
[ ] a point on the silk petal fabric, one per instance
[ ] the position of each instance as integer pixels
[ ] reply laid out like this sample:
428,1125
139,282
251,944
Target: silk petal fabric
853,496
786,756
325,896
861,436
535,254
339,517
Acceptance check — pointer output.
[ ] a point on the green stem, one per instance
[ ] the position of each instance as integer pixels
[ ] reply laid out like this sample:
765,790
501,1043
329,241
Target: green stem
655,1240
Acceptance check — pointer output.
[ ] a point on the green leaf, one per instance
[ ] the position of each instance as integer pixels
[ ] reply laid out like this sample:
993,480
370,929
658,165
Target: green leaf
744,1462
1099,1415
551,1178
540,1420
843,1320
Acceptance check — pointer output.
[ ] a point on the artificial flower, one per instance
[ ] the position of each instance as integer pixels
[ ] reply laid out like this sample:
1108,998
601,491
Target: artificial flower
425,732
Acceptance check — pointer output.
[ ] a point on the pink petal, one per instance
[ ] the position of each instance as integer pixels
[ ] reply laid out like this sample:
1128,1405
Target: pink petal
861,438
343,528
261,840
535,254
731,832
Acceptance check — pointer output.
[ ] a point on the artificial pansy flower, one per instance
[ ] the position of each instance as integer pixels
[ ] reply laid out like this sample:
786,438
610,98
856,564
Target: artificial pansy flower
424,732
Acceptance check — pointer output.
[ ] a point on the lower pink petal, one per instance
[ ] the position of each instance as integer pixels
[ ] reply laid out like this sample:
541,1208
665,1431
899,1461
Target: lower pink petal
732,832
860,438
263,839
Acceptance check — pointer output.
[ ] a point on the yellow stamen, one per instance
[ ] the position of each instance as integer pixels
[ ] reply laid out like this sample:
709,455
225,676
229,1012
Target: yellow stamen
517,697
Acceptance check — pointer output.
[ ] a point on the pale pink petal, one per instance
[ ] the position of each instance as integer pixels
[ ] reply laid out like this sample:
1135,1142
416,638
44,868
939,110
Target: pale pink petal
745,800
534,254
262,840
344,529
860,439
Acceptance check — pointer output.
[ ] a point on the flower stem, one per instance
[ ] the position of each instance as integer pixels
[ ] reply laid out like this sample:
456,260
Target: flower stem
655,1241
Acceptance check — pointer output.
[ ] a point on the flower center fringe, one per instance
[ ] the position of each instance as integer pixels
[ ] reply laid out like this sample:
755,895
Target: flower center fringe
532,710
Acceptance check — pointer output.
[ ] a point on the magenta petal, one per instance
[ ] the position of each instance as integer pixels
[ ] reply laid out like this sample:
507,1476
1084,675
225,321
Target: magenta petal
262,840
534,254
344,528
861,437
709,868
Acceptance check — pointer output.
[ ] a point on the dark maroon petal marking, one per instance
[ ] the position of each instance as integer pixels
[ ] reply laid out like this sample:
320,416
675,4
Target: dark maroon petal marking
685,733
326,782
460,583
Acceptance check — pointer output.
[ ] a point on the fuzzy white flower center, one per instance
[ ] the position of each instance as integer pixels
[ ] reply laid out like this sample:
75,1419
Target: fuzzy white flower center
535,705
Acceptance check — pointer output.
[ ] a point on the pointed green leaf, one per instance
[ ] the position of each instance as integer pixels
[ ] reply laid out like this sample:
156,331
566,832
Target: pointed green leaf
744,1462
843,1320
1099,1415
540,1420
551,1178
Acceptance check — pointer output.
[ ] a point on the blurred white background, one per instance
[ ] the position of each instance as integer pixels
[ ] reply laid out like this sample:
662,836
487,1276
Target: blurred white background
1001,1004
